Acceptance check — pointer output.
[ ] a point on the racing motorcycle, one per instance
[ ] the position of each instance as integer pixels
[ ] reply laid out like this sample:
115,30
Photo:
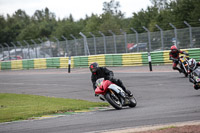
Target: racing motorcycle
195,76
183,63
113,94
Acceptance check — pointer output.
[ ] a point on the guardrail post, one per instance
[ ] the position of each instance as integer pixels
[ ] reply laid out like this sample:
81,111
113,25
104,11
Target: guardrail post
85,44
149,49
2,49
95,47
104,40
51,51
75,43
67,52
125,39
69,64
190,30
8,49
66,47
161,34
175,32
42,43
18,42
136,33
28,48
35,44
58,43
15,49
114,39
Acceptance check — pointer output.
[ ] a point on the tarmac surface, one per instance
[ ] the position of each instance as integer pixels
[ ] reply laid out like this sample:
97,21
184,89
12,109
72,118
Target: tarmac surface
163,95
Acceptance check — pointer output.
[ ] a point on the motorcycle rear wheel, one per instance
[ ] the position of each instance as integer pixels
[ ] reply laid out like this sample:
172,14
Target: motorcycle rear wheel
114,100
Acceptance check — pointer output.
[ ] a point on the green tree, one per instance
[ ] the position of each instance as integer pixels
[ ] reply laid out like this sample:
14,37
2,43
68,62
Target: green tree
2,27
185,10
45,21
112,7
14,25
160,4
109,22
138,20
66,28
92,24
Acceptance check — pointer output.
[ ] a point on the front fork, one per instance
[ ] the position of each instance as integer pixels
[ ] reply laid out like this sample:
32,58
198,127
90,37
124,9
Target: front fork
124,99
121,96
183,66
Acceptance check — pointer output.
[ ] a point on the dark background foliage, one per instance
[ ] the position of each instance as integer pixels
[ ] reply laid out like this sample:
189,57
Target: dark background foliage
43,23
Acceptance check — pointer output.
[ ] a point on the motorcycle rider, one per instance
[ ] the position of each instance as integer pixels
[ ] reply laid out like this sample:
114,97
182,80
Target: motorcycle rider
103,72
192,64
174,55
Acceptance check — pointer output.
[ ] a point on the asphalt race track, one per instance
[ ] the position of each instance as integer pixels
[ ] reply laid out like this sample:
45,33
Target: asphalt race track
163,96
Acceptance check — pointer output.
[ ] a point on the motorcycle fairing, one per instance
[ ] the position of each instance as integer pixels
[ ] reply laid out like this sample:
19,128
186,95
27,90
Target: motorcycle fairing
115,88
196,74
102,89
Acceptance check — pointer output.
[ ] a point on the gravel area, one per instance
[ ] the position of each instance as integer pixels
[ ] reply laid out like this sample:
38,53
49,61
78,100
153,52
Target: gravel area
182,127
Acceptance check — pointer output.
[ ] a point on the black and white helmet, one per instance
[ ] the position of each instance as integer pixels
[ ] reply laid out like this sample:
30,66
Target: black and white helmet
192,64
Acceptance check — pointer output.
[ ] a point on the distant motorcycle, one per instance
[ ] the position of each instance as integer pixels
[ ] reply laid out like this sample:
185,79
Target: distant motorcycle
113,94
195,76
183,63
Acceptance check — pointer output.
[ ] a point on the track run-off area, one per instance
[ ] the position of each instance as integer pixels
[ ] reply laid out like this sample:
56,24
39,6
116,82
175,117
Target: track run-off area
163,96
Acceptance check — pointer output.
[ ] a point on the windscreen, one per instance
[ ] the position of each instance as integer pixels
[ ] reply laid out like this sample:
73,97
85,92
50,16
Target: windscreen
99,82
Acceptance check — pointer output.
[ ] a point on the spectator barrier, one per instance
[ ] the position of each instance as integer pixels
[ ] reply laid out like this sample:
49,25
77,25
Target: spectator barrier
127,59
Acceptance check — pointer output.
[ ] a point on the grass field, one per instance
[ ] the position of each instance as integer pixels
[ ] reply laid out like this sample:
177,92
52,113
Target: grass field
21,107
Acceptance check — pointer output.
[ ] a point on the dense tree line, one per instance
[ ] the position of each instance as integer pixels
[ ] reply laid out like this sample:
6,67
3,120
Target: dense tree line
43,23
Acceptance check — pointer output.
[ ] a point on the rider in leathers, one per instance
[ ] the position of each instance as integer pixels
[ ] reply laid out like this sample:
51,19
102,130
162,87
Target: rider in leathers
174,55
103,72
193,65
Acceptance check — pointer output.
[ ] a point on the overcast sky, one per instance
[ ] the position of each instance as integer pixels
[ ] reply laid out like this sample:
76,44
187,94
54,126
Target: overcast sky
63,8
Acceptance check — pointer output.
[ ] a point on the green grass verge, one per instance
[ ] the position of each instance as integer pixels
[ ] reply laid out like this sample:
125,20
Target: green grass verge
21,107
167,127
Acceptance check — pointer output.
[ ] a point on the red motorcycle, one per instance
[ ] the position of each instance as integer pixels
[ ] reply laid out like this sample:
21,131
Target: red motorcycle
113,94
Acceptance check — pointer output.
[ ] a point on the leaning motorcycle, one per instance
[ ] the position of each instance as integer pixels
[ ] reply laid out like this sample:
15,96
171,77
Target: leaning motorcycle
195,75
183,63
113,94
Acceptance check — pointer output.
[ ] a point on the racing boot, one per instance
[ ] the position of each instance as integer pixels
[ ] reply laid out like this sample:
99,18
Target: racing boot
180,70
124,88
129,93
196,87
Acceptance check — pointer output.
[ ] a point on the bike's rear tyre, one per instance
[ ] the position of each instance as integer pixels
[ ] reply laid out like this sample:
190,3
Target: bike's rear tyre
133,102
114,100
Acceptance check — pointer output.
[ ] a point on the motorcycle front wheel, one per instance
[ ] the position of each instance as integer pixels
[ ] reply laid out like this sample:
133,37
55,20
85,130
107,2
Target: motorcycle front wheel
186,75
133,102
114,100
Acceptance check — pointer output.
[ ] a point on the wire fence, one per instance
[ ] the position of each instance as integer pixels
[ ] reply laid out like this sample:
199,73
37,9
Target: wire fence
124,43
